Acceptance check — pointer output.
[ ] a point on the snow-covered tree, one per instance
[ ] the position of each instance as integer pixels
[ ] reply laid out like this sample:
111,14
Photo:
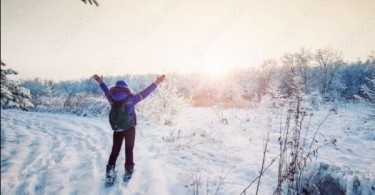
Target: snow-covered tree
267,74
329,61
296,64
369,96
13,96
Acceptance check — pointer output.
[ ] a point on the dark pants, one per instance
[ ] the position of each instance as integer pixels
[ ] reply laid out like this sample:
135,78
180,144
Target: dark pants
118,138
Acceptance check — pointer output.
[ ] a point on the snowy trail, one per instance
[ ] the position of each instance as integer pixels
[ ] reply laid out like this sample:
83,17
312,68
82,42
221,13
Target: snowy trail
65,154
44,153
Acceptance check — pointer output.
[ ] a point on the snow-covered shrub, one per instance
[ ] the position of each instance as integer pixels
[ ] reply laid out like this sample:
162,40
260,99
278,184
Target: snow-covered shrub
50,104
73,101
92,106
315,99
13,96
80,104
50,100
164,105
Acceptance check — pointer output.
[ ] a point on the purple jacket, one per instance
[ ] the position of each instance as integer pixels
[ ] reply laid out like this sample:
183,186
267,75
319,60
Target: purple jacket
121,93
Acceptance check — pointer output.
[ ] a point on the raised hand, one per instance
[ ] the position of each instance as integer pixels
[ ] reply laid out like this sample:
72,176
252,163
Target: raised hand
159,79
98,78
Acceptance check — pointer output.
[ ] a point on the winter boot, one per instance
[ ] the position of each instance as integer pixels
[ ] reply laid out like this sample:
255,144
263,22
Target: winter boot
110,170
128,174
110,175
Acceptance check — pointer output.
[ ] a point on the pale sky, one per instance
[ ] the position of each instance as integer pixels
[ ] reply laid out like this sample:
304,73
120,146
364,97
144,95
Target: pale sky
67,39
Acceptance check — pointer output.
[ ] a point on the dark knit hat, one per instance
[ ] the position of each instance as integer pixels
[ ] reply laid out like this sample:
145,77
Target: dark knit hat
121,83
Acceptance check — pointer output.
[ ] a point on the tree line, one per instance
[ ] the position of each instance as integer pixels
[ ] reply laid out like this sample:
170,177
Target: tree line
323,72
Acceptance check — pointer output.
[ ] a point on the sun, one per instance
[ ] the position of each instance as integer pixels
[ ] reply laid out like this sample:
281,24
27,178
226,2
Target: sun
217,69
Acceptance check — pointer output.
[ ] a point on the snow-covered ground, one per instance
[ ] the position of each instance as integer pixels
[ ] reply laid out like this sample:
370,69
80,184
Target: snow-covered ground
207,151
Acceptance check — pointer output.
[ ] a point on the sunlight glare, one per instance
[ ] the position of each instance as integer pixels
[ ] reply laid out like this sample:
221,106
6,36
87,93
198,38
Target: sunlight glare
217,69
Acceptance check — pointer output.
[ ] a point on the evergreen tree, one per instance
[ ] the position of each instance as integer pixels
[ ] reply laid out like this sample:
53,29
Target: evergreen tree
13,96
91,2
